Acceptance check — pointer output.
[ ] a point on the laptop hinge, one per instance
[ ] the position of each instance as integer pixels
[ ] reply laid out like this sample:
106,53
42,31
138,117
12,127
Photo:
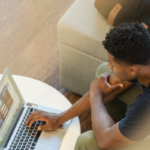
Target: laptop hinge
32,105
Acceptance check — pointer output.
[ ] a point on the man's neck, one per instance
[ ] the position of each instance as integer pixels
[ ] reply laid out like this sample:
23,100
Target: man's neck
144,75
145,82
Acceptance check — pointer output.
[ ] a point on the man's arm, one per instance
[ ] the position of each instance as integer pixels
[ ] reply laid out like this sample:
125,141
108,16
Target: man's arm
80,107
107,133
83,105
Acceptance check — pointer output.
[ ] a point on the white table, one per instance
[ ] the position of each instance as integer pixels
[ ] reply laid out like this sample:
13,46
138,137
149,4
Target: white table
40,93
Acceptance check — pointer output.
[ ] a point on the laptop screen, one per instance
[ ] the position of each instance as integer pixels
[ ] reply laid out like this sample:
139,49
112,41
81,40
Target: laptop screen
10,102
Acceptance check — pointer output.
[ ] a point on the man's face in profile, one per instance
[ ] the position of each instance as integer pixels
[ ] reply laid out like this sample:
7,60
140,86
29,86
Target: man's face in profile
120,69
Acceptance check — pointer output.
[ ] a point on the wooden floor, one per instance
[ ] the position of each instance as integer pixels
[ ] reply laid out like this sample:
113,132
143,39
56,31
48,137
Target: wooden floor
29,43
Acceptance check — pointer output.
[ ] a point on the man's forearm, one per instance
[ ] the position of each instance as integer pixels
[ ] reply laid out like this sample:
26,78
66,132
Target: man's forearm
101,120
78,108
83,106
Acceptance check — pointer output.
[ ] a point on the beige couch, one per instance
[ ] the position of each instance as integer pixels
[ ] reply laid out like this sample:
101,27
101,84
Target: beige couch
81,31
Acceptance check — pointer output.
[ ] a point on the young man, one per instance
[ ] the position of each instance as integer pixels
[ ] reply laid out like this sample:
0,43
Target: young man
128,49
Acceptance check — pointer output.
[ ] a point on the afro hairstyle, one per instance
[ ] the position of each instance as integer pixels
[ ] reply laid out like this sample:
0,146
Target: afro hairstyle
129,43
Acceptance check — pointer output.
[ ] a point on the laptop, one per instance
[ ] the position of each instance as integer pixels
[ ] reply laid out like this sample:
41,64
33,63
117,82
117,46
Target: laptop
14,133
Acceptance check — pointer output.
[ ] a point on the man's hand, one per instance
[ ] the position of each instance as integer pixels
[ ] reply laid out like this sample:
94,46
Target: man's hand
101,85
51,119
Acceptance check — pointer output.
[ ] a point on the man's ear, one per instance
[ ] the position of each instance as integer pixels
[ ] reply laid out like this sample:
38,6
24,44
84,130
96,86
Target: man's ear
134,70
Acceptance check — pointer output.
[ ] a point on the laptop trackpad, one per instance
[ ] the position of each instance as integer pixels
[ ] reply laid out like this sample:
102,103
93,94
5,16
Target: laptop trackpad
52,138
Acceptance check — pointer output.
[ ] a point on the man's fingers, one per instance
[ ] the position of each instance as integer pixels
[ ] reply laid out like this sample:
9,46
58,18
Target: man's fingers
46,127
36,113
104,75
39,118
43,127
30,117
115,87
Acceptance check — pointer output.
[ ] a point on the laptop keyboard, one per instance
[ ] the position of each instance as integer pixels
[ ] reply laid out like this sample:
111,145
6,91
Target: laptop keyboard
26,138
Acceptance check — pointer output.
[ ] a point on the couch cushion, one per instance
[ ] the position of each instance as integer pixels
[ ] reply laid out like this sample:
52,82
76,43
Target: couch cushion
84,29
77,69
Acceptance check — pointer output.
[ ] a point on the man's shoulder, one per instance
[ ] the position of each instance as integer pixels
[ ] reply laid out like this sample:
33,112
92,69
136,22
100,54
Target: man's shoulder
141,100
136,124
141,105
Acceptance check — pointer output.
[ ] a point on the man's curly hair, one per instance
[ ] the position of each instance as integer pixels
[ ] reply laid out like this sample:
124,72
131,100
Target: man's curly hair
130,43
